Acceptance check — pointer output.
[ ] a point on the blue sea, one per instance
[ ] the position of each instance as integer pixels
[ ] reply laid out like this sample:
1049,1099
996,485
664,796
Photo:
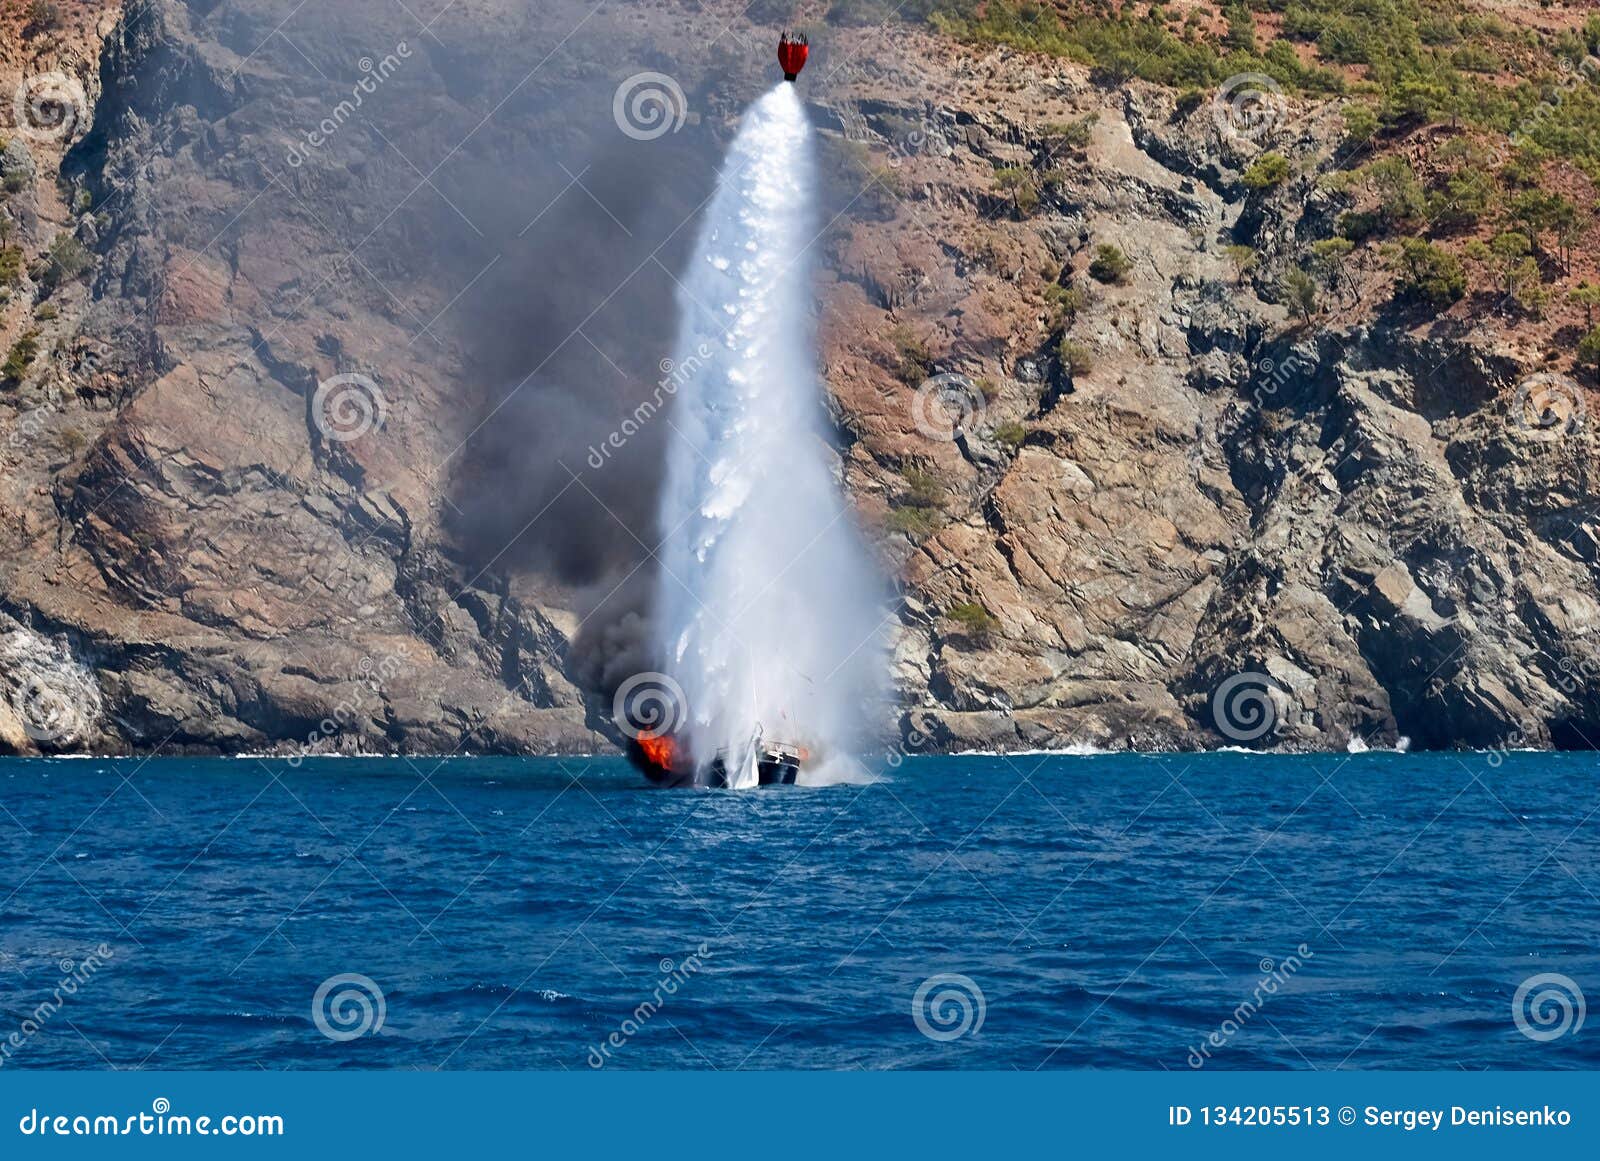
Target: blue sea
1221,911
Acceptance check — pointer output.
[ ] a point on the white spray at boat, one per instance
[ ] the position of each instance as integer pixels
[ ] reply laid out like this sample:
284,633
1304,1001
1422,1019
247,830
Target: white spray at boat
770,615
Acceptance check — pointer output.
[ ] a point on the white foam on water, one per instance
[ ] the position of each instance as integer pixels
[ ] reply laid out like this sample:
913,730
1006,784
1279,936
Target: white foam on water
770,615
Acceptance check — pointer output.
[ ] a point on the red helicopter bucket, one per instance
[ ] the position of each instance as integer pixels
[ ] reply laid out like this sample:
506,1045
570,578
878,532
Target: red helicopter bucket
792,53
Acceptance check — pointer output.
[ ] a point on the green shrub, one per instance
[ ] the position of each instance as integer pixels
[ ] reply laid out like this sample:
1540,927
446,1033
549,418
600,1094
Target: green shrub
1507,256
23,352
973,620
1430,274
918,509
1539,211
65,260
923,488
1066,302
1018,182
44,16
1462,201
1075,357
1266,171
1243,258
1328,258
1423,59
1359,226
1300,292
1073,136
1110,264
913,361
1589,350
1588,297
914,523
1400,195
1010,433
10,265
1361,122
1241,33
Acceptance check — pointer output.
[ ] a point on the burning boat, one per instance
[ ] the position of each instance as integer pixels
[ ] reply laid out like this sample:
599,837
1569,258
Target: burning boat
759,762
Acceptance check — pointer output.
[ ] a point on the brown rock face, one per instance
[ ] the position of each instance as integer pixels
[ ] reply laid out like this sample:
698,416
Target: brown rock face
340,441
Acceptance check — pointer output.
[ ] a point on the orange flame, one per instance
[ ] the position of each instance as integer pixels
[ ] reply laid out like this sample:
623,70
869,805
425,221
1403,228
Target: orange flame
659,751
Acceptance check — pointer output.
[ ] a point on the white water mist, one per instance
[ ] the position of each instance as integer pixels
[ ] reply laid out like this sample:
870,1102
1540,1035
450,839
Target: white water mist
769,610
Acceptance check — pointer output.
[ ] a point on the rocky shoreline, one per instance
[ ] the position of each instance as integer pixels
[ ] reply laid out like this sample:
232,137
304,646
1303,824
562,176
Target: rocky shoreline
1173,515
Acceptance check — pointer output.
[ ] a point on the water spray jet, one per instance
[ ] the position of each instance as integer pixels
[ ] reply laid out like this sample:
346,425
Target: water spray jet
769,613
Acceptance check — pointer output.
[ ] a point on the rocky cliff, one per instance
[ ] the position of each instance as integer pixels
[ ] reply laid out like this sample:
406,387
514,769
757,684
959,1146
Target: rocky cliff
337,430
